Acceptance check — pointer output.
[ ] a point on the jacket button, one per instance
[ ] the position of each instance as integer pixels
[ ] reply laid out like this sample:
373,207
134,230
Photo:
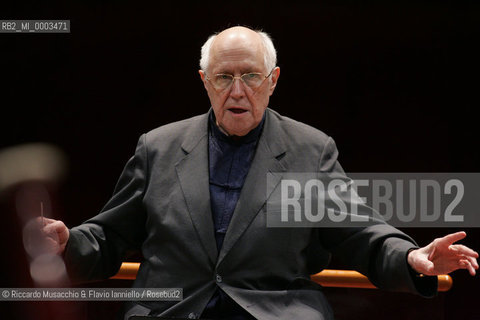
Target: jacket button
192,316
218,278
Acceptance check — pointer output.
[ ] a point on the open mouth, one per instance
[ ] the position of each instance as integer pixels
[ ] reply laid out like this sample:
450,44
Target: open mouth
237,110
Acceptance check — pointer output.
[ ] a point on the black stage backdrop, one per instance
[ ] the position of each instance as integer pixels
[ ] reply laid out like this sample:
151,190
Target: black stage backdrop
395,84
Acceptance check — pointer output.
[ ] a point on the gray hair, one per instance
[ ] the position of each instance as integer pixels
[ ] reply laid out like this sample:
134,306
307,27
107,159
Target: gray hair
270,56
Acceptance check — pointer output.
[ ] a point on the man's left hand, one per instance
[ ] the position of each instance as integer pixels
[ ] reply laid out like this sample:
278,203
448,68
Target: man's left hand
442,256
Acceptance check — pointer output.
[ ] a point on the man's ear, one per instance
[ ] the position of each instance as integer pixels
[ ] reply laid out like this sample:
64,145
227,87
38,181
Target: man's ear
203,77
275,76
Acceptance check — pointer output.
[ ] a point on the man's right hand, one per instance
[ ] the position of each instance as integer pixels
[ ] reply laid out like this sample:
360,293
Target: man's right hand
55,235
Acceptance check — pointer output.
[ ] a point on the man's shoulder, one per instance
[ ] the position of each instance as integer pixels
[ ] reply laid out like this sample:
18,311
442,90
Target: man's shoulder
178,130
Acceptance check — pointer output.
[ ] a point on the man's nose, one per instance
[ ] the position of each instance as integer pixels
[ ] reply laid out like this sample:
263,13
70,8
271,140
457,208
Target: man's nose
238,89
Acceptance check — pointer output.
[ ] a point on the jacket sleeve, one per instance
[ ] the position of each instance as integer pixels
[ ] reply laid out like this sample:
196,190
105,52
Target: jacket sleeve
95,249
377,250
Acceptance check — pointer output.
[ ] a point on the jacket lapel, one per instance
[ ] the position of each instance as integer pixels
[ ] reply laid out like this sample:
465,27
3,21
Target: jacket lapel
255,190
192,172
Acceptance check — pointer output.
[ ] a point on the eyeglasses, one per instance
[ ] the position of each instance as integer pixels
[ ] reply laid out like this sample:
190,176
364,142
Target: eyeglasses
222,81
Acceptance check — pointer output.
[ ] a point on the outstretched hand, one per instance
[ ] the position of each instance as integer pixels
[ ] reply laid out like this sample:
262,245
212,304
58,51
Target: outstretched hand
442,256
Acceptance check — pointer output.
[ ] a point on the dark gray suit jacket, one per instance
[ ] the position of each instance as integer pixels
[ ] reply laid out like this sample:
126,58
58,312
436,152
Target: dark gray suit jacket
161,205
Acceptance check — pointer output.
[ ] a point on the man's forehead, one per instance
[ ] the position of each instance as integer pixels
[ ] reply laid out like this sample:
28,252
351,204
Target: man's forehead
233,60
238,49
237,54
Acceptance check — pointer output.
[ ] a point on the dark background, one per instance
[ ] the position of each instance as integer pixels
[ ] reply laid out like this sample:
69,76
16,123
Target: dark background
395,84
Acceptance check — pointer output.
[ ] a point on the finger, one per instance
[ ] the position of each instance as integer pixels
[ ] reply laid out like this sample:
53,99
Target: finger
429,268
463,250
432,253
42,221
51,246
453,237
63,235
47,220
54,227
465,264
472,261
50,243
462,264
470,268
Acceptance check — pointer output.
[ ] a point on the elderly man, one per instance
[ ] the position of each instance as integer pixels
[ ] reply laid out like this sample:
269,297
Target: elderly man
193,196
